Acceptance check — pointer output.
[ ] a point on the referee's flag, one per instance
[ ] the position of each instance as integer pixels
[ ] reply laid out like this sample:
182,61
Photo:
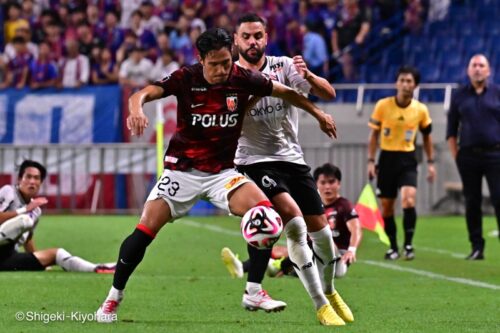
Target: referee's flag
369,214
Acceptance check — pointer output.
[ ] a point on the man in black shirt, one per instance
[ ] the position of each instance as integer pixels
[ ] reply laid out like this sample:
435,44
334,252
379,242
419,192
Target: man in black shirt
473,135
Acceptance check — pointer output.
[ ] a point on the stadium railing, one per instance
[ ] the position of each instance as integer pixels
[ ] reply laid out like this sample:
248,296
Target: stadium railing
116,178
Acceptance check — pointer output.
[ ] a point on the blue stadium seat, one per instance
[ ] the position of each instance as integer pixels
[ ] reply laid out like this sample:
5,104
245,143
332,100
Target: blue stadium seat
473,44
453,73
375,75
449,59
494,44
440,44
414,43
431,95
430,73
379,94
346,96
392,56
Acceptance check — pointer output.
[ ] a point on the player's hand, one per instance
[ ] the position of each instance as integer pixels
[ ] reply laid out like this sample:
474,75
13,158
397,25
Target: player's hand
137,122
348,257
327,125
372,172
252,101
35,203
301,66
431,173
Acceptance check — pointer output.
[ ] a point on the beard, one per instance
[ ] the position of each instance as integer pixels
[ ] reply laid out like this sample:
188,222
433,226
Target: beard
253,59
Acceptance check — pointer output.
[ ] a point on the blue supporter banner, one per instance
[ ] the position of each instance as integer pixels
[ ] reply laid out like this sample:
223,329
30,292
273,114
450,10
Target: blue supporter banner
67,116
72,116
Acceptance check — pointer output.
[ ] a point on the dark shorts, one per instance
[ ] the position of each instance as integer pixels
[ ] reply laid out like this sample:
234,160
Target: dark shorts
276,177
17,261
395,169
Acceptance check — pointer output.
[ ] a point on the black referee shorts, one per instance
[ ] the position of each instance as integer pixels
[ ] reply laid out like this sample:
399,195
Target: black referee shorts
17,261
395,169
277,177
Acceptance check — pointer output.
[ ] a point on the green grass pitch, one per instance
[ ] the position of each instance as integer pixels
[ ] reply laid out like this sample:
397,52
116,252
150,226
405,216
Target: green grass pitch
182,286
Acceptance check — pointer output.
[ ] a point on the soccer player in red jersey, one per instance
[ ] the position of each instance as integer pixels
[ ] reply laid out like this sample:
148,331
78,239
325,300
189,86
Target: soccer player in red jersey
212,98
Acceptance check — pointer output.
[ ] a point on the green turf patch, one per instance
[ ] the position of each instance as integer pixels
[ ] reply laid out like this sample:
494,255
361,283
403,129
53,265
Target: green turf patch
182,286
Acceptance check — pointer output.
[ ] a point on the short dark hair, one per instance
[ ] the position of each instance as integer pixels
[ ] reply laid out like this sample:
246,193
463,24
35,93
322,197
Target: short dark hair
213,39
18,40
137,12
32,164
329,170
409,70
249,18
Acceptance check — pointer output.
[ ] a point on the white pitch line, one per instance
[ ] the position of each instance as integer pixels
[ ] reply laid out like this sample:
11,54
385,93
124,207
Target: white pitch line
441,251
210,227
375,263
434,250
432,275
215,228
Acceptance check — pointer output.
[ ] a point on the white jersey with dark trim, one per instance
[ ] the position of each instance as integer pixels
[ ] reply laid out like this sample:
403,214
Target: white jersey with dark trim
10,200
270,128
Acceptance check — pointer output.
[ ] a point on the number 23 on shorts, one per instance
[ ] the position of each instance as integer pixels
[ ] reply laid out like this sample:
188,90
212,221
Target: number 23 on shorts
167,186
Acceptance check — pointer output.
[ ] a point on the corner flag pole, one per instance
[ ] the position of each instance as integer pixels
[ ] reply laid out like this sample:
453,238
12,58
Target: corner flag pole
159,139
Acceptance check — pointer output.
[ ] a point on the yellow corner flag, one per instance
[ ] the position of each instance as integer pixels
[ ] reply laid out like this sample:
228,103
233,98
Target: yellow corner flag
369,214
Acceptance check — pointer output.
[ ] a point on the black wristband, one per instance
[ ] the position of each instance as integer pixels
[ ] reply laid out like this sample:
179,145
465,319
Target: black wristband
430,161
371,160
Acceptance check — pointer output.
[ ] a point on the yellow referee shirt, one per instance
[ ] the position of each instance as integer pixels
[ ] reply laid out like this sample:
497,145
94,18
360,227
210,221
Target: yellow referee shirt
399,126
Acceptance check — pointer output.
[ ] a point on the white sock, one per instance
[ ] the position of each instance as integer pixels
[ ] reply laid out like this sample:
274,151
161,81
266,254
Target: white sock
340,269
253,288
115,294
72,263
13,228
324,249
302,256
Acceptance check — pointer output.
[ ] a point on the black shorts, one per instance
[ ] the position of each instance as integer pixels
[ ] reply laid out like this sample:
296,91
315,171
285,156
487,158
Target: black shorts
17,261
395,169
277,177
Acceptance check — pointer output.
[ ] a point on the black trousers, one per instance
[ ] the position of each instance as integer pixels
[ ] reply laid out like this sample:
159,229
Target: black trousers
474,164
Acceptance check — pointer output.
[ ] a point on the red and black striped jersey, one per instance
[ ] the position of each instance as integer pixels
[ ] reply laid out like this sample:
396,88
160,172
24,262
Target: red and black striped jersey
338,214
209,117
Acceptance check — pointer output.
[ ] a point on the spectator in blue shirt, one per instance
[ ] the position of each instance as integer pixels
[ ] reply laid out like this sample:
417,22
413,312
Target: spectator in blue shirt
315,51
473,135
43,71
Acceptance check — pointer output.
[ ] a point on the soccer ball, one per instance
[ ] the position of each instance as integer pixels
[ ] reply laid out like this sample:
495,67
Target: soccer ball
261,227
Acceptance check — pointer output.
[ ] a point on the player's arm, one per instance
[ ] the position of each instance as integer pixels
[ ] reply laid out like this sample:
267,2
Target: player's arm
34,203
453,146
452,128
24,78
137,120
326,122
354,227
320,87
429,152
372,152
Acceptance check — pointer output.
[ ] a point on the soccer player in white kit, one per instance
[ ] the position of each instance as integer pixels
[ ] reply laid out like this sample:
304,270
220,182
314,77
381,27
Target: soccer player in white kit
20,210
269,153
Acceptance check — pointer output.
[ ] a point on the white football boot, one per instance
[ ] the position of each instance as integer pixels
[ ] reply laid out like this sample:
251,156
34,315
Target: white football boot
262,301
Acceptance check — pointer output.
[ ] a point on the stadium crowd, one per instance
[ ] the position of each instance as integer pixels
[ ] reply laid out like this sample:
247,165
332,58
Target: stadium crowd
71,43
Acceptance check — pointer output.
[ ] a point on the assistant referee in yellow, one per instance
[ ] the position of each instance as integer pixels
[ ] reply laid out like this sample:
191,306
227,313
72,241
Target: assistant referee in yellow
396,121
